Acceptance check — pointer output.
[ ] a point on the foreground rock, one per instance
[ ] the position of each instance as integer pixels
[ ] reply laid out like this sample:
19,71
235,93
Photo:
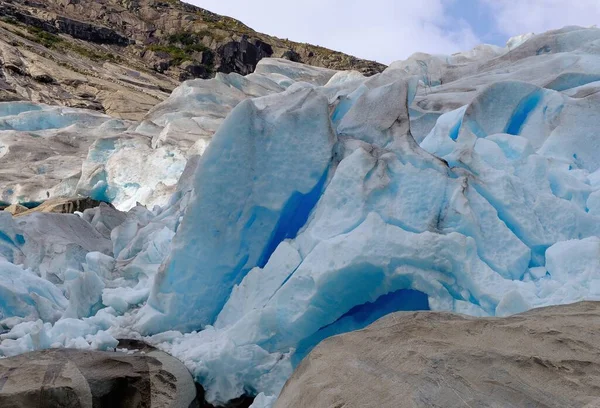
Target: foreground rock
546,357
86,379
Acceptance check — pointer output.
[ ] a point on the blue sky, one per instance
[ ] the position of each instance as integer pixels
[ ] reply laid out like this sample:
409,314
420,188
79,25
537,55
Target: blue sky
389,30
479,16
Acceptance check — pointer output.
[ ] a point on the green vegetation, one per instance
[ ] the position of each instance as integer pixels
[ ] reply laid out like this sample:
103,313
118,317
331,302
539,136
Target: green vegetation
167,3
208,17
232,25
204,33
181,46
94,55
183,38
188,42
9,20
177,54
53,41
225,24
43,37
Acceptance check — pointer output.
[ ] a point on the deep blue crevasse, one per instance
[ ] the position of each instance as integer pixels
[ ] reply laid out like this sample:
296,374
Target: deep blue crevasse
522,112
293,217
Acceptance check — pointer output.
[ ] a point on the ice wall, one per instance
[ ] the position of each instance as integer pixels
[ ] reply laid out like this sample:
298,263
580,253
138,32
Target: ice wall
254,187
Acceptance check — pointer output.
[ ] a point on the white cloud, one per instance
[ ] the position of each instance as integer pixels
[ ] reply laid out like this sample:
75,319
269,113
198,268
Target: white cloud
522,16
382,30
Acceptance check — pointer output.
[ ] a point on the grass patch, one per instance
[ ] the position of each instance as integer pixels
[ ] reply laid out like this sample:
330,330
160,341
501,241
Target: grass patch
53,41
92,54
226,24
43,37
188,42
9,20
167,3
179,52
183,38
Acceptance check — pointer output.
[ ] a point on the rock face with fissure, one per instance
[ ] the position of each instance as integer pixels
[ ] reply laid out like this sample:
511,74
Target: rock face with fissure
547,357
77,29
242,56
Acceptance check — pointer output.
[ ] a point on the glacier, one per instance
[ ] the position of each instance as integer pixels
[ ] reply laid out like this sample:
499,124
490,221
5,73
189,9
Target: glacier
256,216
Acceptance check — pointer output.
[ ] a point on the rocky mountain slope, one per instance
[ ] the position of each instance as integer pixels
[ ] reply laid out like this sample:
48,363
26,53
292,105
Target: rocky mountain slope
122,57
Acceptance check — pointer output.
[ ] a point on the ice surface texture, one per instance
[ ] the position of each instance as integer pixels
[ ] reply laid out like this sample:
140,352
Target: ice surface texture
276,151
323,203
64,151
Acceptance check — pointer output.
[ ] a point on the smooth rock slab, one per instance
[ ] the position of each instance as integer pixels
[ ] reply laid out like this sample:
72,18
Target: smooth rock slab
547,357
93,379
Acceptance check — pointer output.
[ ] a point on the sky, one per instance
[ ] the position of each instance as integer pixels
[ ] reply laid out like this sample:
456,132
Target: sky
390,30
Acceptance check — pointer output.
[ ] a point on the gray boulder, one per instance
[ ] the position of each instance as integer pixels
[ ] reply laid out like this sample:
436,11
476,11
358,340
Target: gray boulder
93,379
547,357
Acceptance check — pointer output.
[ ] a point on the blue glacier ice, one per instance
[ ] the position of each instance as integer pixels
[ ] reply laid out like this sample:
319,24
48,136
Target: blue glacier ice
25,295
298,203
237,217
